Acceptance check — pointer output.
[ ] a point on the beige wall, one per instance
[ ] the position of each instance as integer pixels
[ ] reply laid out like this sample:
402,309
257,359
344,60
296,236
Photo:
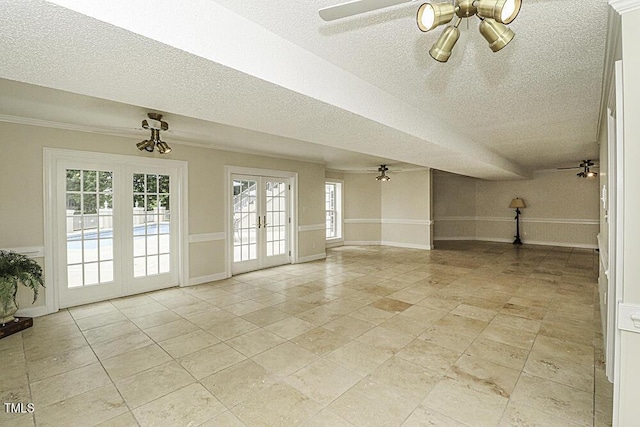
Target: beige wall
406,209
454,205
629,384
362,208
21,190
397,212
561,209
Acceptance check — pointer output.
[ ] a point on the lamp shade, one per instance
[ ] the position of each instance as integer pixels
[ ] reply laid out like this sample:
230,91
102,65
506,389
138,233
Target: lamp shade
503,11
497,34
517,203
441,50
432,15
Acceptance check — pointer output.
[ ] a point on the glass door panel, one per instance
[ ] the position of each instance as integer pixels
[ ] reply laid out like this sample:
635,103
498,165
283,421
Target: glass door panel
151,224
260,222
245,222
89,227
276,224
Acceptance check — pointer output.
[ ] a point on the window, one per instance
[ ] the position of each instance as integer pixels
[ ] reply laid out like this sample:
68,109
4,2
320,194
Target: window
333,209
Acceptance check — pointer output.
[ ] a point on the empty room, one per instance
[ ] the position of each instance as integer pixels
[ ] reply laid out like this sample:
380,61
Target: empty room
319,213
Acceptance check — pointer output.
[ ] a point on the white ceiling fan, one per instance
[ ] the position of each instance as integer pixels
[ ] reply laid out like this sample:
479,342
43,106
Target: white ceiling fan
493,15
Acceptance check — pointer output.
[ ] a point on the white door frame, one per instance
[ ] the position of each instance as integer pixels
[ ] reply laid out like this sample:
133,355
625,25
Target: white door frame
52,158
617,252
293,206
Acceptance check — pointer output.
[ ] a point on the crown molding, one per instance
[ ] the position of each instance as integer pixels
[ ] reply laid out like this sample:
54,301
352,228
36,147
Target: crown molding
624,6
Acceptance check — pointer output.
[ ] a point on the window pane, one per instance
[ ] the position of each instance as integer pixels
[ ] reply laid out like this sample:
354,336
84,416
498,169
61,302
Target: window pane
139,267
164,184
106,201
106,182
152,183
138,183
165,264
91,274
90,250
106,249
106,271
152,265
89,203
139,246
152,245
73,202
165,243
89,182
73,180
74,252
74,276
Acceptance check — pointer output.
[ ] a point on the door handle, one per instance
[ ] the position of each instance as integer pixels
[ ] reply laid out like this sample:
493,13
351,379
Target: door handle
265,222
258,221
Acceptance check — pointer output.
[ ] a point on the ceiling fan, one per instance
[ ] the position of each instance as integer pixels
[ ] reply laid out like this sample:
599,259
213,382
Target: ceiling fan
586,167
493,14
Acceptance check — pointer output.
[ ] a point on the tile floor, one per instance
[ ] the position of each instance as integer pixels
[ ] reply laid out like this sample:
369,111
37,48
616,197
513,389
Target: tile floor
470,334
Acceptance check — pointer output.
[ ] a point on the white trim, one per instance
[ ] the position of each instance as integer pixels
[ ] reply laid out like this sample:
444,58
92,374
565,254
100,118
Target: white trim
312,227
311,258
334,243
363,221
604,256
574,221
527,242
406,245
362,243
33,311
29,251
208,278
424,222
462,238
207,237
617,173
456,218
629,317
388,221
624,6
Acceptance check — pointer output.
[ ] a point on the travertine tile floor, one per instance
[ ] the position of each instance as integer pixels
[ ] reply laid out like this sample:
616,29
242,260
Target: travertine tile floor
470,334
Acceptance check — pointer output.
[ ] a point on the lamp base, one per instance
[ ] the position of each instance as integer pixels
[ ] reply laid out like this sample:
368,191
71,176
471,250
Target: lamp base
517,241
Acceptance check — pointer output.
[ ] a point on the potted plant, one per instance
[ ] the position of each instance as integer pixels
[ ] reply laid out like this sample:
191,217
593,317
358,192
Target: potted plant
16,269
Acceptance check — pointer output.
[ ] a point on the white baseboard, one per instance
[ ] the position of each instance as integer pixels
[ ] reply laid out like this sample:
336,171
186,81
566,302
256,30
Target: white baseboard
33,311
209,278
526,242
406,245
334,244
311,258
362,243
386,243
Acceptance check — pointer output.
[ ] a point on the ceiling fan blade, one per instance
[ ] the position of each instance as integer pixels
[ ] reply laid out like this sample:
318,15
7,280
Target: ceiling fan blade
575,167
356,7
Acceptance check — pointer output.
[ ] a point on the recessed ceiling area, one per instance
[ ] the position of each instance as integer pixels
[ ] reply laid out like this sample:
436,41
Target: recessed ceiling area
274,79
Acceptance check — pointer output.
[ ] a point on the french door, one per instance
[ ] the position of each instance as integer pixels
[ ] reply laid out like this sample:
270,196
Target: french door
260,222
116,229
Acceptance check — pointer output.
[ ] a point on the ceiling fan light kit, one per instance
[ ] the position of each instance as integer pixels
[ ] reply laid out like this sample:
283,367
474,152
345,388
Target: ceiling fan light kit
383,176
493,15
155,124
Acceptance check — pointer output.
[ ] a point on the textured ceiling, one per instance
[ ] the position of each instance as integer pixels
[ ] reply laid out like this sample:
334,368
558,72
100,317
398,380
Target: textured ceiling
275,74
